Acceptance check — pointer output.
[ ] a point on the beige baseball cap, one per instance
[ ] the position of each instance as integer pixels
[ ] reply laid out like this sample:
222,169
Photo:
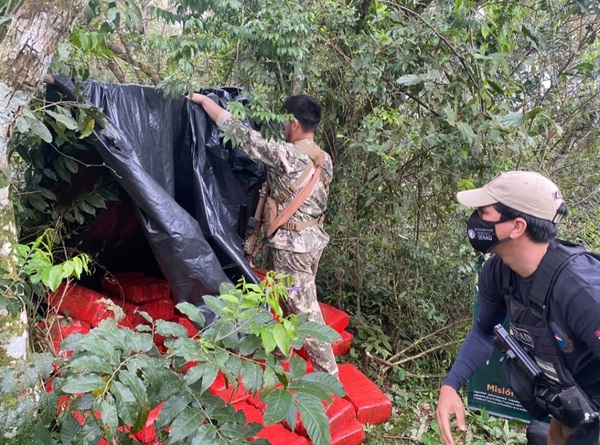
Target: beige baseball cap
526,192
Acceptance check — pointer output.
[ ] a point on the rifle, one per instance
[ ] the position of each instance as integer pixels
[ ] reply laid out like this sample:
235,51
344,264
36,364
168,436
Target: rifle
251,244
513,350
546,389
574,401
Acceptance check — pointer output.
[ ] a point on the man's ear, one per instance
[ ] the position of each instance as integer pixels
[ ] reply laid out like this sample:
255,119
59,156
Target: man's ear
519,228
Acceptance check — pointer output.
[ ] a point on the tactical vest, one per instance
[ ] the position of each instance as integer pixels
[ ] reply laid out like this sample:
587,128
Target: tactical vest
556,393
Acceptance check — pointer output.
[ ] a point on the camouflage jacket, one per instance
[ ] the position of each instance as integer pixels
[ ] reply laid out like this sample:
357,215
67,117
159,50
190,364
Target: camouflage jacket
285,162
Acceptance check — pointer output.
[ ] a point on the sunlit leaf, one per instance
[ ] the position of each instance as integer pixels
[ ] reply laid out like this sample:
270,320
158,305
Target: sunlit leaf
409,79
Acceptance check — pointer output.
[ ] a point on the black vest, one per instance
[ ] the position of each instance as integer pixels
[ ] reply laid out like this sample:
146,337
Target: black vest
557,394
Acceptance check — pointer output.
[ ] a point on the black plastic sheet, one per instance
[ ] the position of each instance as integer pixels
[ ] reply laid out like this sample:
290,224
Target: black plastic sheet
189,192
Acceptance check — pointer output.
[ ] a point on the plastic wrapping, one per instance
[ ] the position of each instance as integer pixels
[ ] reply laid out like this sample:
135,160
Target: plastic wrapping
189,192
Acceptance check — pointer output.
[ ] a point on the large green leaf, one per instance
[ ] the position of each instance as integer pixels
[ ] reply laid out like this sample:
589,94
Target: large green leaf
173,406
206,434
282,339
30,123
74,384
278,404
513,120
326,381
314,389
251,374
122,392
270,379
314,419
108,412
69,429
185,424
268,340
90,363
318,331
55,277
297,366
98,346
170,329
192,312
217,305
249,344
206,371
466,131
63,118
41,436
135,384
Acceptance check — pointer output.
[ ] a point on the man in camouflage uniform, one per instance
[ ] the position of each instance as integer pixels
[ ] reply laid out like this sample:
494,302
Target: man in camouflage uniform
295,252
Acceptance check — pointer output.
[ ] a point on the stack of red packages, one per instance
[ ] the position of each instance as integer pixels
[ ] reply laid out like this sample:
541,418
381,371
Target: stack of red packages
136,292
136,287
80,303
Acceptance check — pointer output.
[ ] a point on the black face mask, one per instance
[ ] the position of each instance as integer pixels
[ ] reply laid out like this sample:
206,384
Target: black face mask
482,234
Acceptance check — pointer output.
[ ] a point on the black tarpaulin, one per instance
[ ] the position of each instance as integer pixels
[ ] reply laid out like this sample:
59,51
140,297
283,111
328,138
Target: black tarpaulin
189,192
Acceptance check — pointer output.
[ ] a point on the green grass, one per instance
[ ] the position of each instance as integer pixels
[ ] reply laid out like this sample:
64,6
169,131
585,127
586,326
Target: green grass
413,419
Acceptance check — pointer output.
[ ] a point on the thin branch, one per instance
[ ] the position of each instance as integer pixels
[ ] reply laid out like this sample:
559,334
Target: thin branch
422,339
127,56
411,358
427,351
423,104
280,77
113,65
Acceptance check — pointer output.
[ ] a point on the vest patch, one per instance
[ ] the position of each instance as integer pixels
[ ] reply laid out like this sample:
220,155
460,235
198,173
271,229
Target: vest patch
563,340
522,335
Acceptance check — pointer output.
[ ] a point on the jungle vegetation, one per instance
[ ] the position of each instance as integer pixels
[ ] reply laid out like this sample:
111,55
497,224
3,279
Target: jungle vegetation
421,99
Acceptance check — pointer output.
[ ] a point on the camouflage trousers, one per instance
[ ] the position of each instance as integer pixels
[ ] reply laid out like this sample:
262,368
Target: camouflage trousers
303,299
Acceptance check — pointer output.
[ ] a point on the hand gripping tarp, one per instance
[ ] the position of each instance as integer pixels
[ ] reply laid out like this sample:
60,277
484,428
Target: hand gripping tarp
189,191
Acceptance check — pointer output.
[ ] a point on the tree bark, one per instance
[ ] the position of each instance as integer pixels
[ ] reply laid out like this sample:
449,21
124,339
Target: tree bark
26,50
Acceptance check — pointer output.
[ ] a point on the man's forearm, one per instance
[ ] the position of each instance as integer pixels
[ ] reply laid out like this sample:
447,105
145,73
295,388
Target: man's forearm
212,108
474,352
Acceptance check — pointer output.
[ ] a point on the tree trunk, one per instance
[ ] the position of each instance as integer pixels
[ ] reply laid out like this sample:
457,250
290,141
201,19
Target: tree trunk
26,50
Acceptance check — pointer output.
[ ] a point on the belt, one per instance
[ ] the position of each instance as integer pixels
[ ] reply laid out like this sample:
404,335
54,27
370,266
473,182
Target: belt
297,226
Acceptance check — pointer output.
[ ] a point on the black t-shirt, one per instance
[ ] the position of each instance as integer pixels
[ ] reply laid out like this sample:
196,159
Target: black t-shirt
573,316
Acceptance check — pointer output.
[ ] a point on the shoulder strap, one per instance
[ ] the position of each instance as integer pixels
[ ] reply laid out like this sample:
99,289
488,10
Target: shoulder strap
313,151
554,261
506,273
297,201
309,147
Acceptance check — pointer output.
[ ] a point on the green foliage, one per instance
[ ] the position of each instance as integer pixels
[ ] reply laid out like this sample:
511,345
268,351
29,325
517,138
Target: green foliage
38,264
117,376
39,270
22,405
414,422
26,409
420,100
48,153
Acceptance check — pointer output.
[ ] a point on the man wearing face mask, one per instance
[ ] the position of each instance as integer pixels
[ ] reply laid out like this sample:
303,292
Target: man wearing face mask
297,246
516,219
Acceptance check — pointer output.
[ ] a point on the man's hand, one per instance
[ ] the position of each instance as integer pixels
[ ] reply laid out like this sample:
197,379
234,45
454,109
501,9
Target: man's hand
449,403
212,108
196,98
